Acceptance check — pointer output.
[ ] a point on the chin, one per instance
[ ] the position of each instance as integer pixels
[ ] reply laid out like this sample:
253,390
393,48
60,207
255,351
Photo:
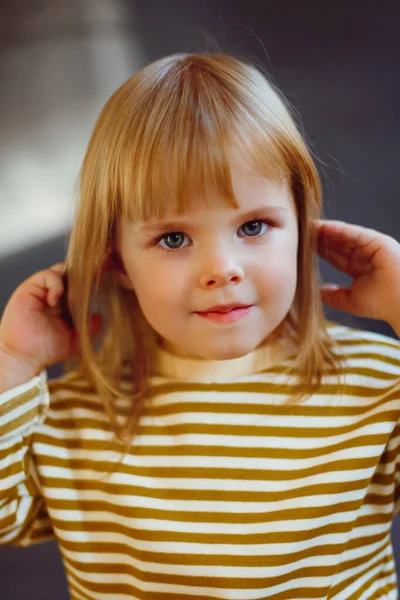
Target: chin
227,353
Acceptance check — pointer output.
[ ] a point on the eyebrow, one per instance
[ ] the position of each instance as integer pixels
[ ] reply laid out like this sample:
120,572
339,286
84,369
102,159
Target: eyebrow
274,212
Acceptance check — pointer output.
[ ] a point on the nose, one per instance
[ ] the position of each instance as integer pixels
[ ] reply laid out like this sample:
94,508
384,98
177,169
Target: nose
221,270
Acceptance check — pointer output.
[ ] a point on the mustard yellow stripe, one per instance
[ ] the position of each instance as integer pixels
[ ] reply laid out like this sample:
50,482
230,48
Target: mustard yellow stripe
25,531
131,591
204,495
344,583
375,373
22,420
245,559
75,592
270,387
243,539
263,431
92,446
197,582
100,421
18,401
7,522
69,403
11,450
77,424
72,382
384,586
189,560
377,356
11,469
259,451
383,590
211,473
361,340
127,490
266,408
180,516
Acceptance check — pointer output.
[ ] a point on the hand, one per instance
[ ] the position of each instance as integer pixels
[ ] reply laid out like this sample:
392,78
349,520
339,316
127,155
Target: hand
35,331
372,259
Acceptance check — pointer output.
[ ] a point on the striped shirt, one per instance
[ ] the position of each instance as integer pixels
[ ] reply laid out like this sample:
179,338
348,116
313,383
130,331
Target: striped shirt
226,492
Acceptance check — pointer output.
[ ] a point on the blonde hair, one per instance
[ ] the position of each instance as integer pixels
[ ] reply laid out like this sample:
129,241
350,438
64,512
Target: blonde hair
173,125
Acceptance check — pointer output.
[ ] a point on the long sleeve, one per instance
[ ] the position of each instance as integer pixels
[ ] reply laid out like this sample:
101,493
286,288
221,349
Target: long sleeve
23,515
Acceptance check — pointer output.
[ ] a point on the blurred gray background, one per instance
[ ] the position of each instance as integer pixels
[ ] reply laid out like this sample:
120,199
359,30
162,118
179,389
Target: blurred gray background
338,63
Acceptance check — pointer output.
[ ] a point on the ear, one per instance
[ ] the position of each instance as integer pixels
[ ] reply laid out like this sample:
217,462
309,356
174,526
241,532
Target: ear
114,264
123,280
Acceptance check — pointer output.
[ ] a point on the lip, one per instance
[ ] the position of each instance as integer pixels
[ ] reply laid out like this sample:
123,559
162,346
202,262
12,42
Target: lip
226,316
224,308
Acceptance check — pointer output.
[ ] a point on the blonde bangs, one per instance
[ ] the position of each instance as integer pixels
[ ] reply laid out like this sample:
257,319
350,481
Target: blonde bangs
189,130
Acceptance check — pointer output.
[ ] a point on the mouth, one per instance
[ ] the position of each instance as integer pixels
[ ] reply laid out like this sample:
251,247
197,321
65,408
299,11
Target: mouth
225,308
226,313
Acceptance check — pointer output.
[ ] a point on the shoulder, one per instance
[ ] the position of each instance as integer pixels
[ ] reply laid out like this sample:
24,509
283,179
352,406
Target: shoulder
346,335
71,392
72,380
366,348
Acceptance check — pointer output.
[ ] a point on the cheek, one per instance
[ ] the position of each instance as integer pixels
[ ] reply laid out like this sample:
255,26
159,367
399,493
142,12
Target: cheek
157,286
279,276
278,272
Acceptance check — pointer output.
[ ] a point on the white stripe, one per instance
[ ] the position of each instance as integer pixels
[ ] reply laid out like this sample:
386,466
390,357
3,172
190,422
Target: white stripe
115,500
369,573
234,594
216,506
205,483
190,527
214,549
216,461
19,411
236,441
99,558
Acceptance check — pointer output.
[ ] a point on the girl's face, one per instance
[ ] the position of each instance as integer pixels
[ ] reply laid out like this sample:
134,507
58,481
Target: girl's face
182,267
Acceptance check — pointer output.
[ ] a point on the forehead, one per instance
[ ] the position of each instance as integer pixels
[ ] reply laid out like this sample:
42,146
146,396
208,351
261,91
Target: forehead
250,187
256,197
250,192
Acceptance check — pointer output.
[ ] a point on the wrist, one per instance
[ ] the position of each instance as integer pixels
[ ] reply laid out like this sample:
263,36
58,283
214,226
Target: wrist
15,370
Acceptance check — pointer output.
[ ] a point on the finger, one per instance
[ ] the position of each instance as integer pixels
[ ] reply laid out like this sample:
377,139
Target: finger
340,229
352,261
349,238
339,261
361,258
341,244
353,264
65,302
328,238
46,286
337,297
56,283
58,268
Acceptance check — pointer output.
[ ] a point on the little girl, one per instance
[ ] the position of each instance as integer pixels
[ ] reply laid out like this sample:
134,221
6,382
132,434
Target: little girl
212,436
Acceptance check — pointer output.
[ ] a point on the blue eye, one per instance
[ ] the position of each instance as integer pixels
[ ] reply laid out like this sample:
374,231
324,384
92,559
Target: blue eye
253,228
173,240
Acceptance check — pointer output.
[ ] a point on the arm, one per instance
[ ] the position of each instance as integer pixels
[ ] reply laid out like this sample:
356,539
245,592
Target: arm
23,515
